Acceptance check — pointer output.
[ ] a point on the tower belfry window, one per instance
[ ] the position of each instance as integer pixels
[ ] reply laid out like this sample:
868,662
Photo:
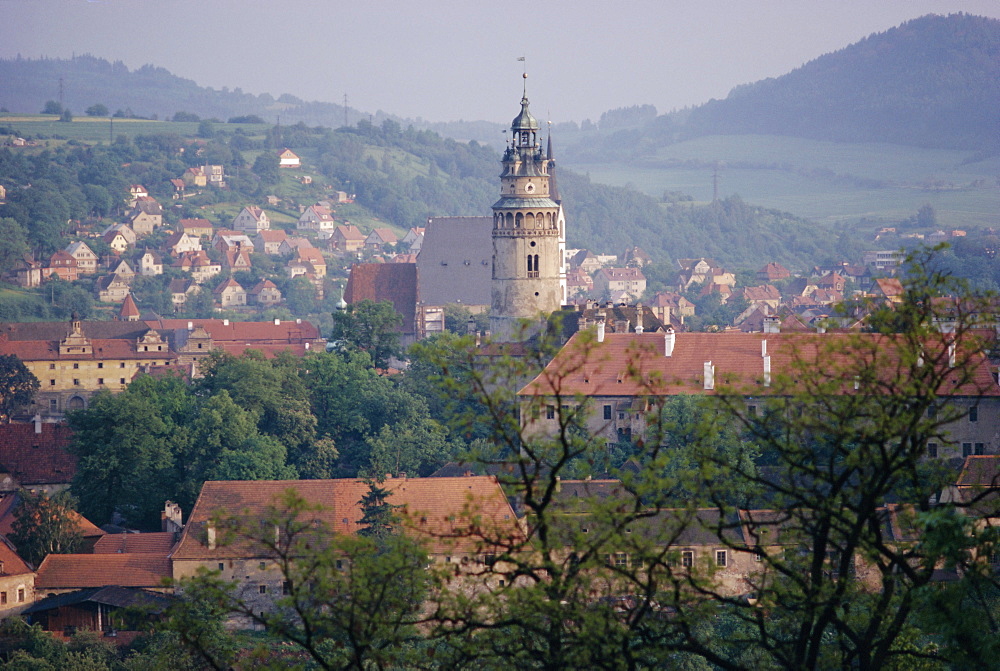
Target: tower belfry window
532,265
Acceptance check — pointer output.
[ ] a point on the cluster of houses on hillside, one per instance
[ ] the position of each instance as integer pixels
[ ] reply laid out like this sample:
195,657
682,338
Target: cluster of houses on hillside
205,255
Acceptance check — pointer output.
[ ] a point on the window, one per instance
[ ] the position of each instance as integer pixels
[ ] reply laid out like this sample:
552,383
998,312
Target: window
932,450
932,411
262,589
100,364
687,558
607,412
621,415
100,380
76,382
221,566
286,588
3,598
52,366
974,414
121,365
340,564
621,559
263,565
20,595
53,404
966,449
52,383
76,366
121,380
721,558
550,412
980,449
752,410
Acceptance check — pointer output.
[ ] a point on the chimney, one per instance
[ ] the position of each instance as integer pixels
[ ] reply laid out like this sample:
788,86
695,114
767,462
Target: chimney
767,370
225,322
772,325
857,383
951,354
669,339
763,347
307,346
37,419
210,533
638,328
709,375
171,518
621,325
190,326
600,331
277,322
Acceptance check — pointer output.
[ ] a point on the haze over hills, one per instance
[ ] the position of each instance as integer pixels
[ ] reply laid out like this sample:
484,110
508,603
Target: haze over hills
933,81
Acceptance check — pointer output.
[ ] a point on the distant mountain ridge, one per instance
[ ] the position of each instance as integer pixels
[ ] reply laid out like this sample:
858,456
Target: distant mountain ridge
931,82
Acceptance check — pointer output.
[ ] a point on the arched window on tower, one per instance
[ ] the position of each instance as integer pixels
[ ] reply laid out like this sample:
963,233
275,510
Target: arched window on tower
510,220
529,220
532,265
518,220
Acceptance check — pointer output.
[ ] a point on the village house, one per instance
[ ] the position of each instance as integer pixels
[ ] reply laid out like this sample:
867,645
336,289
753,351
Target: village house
226,239
251,219
269,242
347,238
312,258
764,295
614,281
230,294
772,272
236,258
265,294
578,283
180,288
122,268
414,239
316,218
215,175
199,265
150,263
136,191
379,238
586,261
63,266
27,272
290,245
17,581
288,159
86,259
196,228
146,216
112,288
636,257
116,241
194,177
393,282
671,307
179,188
124,229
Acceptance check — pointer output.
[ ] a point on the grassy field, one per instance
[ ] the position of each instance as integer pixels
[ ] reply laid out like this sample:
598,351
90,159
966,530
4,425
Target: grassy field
826,181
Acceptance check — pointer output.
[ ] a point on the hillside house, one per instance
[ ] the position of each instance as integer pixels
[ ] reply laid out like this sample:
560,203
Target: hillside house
194,177
630,281
181,243
264,294
199,265
86,259
112,289
151,263
316,218
347,238
269,242
379,238
196,228
251,219
230,294
288,159
63,266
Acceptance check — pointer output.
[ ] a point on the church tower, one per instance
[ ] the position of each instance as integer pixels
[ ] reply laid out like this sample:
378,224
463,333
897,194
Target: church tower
527,234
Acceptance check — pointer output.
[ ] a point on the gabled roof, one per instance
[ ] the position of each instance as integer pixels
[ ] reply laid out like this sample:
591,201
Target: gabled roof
765,292
129,308
383,236
195,224
228,283
349,232
261,286
11,562
454,265
615,274
394,282
432,508
273,235
75,571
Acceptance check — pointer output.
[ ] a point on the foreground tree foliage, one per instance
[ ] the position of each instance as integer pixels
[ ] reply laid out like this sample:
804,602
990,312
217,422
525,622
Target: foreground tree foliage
45,525
18,385
823,490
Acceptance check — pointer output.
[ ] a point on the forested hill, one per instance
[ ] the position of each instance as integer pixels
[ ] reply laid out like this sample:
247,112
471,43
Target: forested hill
932,81
149,92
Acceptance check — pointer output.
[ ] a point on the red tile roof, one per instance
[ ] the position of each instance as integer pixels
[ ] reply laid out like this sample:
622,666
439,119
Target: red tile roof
76,571
10,502
394,282
37,458
151,543
636,365
10,562
437,510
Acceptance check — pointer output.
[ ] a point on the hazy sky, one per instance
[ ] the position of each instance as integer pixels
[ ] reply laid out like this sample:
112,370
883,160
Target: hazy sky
447,60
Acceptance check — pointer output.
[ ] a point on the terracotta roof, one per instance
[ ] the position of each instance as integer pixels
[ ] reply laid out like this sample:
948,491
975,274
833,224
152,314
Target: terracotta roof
432,508
765,292
37,458
890,286
602,369
10,561
349,232
395,282
273,235
621,274
76,571
228,283
980,471
260,286
310,255
774,271
149,543
46,350
386,235
10,502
